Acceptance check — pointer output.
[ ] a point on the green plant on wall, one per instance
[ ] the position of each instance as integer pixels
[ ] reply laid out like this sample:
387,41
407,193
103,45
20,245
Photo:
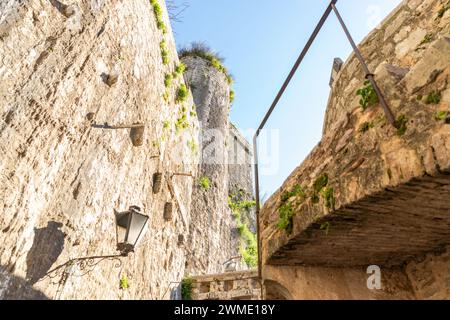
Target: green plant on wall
320,183
182,93
433,98
204,183
181,123
286,211
232,96
368,95
179,69
193,146
325,227
187,285
124,282
164,52
168,80
248,247
328,195
401,125
158,15
286,215
440,115
166,96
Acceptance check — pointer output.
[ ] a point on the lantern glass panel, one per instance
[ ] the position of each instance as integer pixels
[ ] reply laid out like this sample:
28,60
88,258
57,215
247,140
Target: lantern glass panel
136,228
122,220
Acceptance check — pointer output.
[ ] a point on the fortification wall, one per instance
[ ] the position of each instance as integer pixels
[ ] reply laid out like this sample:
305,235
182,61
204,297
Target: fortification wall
386,186
63,68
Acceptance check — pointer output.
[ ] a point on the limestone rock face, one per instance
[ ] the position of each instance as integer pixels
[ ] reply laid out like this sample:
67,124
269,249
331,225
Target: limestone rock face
65,71
213,237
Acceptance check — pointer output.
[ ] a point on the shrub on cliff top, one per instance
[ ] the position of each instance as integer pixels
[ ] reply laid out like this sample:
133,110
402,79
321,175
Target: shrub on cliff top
200,49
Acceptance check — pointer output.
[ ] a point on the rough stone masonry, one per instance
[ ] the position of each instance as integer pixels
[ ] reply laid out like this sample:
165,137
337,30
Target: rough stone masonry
63,67
369,193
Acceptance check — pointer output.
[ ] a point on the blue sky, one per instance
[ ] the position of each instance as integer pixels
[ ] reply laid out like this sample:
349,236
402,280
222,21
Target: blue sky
260,40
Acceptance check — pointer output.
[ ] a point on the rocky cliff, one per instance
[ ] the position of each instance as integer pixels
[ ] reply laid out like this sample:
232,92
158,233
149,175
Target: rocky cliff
213,239
68,72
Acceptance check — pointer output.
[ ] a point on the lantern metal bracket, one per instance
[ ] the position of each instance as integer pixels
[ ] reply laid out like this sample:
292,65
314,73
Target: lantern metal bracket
80,267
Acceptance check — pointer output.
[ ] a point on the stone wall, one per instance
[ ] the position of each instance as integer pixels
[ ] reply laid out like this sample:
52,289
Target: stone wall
383,203
61,178
243,285
240,180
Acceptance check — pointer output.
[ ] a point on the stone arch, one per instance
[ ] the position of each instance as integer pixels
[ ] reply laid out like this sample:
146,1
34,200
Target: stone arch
273,290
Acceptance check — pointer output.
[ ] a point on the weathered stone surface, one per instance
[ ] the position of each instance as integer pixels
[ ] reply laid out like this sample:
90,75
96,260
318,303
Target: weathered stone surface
434,62
243,285
213,238
386,187
61,178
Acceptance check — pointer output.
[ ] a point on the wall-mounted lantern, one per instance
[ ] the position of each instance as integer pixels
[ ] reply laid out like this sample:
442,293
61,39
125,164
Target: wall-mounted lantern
130,228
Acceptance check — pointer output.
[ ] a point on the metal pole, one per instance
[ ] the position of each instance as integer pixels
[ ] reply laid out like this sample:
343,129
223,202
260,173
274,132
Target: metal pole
266,117
369,75
297,64
258,235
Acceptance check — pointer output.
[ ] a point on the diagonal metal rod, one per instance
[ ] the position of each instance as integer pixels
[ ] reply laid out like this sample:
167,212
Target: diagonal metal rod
296,65
266,117
369,75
